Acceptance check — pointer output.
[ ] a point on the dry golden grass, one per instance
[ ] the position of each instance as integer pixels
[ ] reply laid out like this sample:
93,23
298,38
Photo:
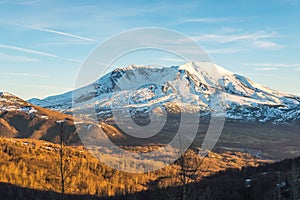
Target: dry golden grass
35,164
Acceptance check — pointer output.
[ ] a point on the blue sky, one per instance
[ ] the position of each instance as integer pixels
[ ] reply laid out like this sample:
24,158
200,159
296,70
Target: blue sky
43,42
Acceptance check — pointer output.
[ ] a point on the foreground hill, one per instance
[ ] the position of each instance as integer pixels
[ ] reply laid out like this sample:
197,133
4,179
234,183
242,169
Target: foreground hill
35,164
275,181
20,119
30,170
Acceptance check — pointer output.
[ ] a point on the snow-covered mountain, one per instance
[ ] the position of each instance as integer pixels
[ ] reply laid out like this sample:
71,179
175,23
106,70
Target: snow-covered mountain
193,87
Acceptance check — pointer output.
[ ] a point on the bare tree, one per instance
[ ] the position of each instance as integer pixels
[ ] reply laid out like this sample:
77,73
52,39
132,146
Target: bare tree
66,170
278,185
294,181
190,172
61,156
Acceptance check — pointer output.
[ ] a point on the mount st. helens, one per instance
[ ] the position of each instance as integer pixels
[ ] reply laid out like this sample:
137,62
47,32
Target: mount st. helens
192,86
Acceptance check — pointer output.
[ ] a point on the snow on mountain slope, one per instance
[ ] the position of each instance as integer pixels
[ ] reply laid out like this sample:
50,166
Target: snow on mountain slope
9,102
193,85
56,102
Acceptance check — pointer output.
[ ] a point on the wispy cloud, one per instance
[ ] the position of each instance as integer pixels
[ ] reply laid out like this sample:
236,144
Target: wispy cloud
258,39
170,59
224,50
290,2
28,2
266,69
235,37
264,74
13,58
205,20
72,60
268,45
40,86
47,30
227,29
273,64
25,75
30,51
59,33
35,76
